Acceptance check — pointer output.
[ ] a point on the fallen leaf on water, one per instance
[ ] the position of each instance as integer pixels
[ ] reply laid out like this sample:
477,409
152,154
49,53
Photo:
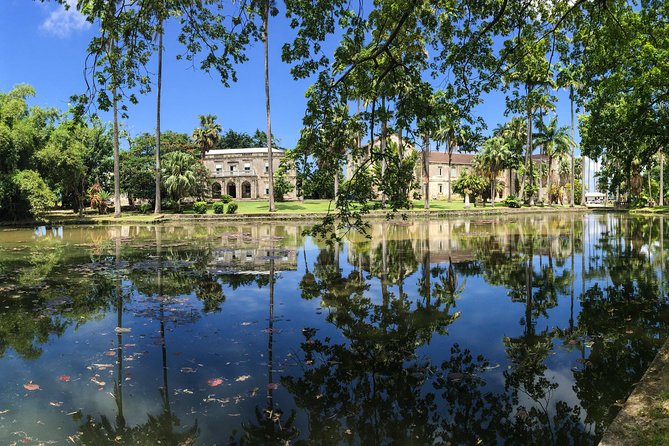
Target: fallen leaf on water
110,353
272,386
64,378
188,370
247,323
95,380
55,403
122,330
31,386
4,411
213,382
242,378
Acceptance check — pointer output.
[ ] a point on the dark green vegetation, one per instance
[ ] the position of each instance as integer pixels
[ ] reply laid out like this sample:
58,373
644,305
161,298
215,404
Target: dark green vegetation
416,70
523,330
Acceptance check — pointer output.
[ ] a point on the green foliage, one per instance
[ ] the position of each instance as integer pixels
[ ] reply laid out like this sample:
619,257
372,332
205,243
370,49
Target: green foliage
207,135
226,198
282,184
144,208
35,191
232,208
181,177
469,183
200,207
511,201
219,207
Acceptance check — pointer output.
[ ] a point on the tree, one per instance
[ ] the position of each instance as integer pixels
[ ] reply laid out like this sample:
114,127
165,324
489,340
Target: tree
556,143
180,176
491,161
469,184
207,135
118,55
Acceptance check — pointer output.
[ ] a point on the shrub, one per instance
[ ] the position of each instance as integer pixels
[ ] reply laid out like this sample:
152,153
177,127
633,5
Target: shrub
144,208
226,198
511,201
200,207
232,208
219,207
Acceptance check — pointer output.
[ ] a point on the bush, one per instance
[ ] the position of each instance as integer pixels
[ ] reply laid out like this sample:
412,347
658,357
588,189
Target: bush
200,207
219,207
226,198
144,208
232,208
511,201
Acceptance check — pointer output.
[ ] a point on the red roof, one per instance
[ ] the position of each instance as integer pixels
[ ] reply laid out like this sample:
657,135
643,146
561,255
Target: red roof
456,158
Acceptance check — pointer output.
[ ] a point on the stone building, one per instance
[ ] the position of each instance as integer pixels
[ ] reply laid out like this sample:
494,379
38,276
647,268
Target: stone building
243,173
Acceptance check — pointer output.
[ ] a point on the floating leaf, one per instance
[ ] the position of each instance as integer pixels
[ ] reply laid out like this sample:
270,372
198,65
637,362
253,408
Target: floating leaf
31,386
122,330
64,378
242,378
110,353
272,386
188,370
213,382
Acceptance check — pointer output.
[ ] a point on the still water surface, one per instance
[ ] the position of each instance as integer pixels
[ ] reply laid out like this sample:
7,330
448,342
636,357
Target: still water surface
512,330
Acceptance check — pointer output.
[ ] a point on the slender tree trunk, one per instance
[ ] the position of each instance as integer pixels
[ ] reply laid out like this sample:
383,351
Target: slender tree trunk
426,171
336,182
448,174
265,30
583,178
550,180
493,191
528,155
573,143
117,175
467,204
384,129
159,82
661,200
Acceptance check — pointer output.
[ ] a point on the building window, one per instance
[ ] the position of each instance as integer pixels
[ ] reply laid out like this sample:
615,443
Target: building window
441,189
440,171
233,167
266,167
247,167
454,172
219,169
266,189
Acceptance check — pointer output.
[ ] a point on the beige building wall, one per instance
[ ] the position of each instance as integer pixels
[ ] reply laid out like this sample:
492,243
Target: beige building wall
244,173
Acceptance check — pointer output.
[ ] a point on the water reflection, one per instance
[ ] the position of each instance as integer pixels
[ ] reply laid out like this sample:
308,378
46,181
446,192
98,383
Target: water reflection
527,330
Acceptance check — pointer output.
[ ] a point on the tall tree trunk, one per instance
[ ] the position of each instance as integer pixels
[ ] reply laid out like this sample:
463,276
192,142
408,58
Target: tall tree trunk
450,159
117,175
661,200
336,182
384,129
270,170
426,171
573,143
493,191
583,167
159,82
549,184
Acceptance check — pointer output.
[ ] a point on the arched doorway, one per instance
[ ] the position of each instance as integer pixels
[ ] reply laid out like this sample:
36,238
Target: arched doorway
246,189
232,189
216,190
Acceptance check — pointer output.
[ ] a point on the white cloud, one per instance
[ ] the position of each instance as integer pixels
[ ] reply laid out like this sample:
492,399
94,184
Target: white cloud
62,22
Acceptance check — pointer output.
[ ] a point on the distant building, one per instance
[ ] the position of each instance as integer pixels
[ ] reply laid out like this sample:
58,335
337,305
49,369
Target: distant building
243,173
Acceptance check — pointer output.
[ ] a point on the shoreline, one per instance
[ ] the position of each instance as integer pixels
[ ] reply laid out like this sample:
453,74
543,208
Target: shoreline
399,215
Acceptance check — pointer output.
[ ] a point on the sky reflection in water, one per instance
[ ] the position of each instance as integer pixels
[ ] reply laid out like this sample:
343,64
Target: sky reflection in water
523,330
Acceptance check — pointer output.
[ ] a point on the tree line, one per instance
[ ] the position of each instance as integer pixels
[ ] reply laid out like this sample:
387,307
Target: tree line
418,70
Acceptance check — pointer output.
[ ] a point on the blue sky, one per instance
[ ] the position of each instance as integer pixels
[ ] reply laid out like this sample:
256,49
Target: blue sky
45,46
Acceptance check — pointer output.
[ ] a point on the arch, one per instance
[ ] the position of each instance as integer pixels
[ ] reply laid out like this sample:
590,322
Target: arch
232,189
216,190
246,189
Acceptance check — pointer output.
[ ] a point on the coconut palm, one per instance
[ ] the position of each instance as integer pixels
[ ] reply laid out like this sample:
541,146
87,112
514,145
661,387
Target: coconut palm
207,135
179,173
514,134
556,143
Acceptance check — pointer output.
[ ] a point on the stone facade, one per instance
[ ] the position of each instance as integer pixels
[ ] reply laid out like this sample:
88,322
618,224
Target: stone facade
243,173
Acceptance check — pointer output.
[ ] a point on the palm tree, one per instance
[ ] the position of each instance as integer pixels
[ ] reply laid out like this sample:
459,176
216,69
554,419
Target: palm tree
514,135
207,135
556,143
265,39
180,178
491,161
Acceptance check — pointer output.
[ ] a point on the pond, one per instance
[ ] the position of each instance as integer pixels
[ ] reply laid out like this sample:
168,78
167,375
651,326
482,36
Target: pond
509,330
